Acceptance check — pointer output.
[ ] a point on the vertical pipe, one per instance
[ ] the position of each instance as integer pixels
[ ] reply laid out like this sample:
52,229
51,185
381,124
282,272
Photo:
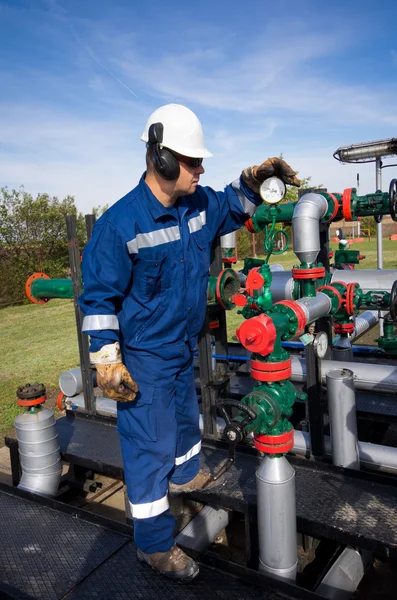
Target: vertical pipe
342,417
275,483
379,233
82,338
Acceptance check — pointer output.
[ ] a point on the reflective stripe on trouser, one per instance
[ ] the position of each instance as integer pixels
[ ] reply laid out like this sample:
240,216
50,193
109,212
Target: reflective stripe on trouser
160,440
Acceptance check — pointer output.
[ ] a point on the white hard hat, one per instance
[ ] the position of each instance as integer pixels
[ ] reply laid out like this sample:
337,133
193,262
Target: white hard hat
182,130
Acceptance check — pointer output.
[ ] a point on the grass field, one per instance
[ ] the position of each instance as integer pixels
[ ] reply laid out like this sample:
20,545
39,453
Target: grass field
39,342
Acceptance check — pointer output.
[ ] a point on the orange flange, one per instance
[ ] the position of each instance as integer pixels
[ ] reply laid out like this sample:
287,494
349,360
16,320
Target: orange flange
336,207
28,288
313,273
274,444
33,402
61,401
347,204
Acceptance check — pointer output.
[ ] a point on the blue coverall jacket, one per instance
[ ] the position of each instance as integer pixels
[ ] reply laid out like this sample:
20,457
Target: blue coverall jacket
145,273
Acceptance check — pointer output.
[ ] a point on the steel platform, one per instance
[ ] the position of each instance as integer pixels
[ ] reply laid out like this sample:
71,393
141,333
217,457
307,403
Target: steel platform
51,551
350,507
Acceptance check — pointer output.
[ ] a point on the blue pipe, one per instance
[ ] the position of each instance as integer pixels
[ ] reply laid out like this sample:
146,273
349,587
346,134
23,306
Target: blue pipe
296,345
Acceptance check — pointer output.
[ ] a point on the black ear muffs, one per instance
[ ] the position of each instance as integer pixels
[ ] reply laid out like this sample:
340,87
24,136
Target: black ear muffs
164,161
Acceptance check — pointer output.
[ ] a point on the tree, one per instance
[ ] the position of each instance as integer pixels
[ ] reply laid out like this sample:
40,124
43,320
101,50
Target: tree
33,238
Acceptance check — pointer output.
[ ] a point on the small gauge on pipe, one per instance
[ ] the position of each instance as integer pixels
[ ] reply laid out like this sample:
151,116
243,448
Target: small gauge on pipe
321,344
272,190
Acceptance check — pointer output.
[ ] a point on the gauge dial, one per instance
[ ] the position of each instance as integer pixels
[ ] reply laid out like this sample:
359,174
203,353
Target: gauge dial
321,344
272,190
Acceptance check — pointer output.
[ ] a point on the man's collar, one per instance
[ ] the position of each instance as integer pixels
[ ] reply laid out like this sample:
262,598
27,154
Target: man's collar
156,209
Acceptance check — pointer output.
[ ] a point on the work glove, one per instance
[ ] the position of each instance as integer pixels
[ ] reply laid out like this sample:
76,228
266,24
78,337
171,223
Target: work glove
112,375
272,167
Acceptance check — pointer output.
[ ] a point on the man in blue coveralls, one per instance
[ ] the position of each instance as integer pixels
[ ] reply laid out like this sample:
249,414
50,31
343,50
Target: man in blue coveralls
145,274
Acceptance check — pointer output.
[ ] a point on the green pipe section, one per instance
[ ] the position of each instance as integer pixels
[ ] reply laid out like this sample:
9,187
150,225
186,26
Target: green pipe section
52,288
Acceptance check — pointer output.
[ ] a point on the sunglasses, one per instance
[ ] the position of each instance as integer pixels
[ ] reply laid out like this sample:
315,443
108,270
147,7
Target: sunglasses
188,160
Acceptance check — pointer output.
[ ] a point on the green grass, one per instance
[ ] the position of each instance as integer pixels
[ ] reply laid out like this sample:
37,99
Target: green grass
38,342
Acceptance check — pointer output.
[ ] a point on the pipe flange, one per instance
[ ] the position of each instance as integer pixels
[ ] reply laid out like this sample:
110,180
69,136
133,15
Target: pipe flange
312,273
28,288
393,199
274,444
31,394
393,302
297,311
349,298
335,294
227,285
347,204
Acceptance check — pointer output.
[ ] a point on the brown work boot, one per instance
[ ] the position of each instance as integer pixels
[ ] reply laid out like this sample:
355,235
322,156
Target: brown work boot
202,481
174,564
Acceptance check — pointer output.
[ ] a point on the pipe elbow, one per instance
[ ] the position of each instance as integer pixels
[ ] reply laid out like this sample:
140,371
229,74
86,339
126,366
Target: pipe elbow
305,226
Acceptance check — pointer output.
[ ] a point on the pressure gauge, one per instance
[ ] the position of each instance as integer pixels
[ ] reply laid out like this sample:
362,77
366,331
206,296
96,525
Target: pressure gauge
321,344
272,190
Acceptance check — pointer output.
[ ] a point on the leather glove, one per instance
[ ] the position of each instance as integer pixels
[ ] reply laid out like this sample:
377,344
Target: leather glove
112,375
272,167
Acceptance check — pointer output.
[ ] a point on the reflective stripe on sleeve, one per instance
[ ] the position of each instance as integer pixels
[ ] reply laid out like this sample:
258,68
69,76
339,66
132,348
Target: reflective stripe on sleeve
149,509
248,206
99,322
153,238
179,460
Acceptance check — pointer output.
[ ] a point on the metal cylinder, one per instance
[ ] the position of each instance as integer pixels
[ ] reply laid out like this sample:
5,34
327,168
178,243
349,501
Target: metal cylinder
275,484
305,226
39,451
315,307
282,287
203,529
227,240
371,279
343,578
342,349
71,382
367,376
343,418
362,323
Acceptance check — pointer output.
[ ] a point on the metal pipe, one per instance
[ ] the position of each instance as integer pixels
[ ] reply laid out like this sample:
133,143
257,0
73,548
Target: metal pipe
343,578
305,226
203,529
342,418
39,452
372,456
282,287
379,226
315,307
367,376
71,382
275,484
363,323
227,240
371,279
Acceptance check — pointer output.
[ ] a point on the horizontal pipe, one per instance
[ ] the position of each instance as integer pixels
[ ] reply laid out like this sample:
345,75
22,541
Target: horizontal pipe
344,576
372,456
367,376
203,529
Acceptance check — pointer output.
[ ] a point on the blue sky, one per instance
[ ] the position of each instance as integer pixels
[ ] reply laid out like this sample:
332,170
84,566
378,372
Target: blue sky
80,77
